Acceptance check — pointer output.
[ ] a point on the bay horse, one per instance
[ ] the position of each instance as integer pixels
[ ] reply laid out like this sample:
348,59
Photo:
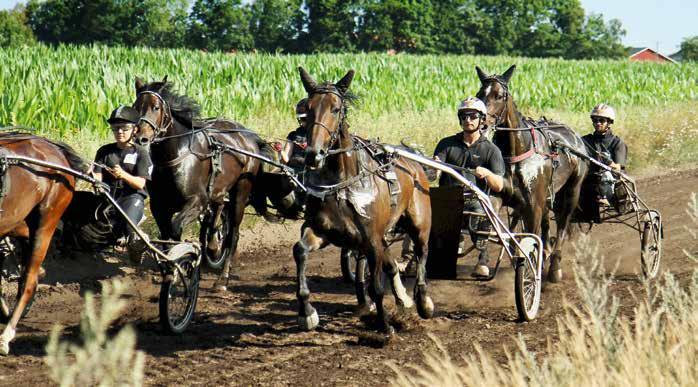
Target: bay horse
32,201
541,178
193,173
349,203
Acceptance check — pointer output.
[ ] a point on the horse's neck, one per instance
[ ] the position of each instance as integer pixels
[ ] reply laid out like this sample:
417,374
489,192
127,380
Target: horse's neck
343,165
519,141
172,147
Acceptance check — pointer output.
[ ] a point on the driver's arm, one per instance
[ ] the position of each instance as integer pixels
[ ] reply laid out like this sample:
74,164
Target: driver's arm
494,176
286,152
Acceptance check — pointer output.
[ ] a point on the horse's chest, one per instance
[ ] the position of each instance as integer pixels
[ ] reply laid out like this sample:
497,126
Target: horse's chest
530,170
334,220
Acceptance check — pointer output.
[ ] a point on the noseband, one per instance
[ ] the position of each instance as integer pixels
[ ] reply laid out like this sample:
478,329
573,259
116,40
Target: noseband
159,130
334,135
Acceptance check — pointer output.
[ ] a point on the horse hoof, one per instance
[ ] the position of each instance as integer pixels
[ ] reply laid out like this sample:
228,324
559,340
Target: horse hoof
365,309
309,323
555,275
4,348
405,303
425,308
218,288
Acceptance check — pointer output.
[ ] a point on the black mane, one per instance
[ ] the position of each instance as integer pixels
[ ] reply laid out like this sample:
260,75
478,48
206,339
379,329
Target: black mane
185,109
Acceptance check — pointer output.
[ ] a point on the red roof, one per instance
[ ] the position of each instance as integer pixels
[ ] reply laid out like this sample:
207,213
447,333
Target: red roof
649,55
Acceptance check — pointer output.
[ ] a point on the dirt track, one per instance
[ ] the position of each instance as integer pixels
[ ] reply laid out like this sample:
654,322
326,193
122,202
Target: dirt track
249,336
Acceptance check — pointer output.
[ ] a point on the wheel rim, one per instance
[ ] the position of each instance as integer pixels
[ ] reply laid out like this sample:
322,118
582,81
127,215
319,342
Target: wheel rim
653,248
179,298
529,287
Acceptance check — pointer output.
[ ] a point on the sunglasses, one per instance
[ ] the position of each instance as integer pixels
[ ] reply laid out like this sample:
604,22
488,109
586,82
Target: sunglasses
469,116
600,120
125,128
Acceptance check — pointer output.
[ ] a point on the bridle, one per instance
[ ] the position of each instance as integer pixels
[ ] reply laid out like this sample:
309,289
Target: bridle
334,135
498,118
158,129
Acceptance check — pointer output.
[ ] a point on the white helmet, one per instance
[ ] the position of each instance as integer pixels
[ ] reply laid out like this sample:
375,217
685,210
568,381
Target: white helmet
472,103
603,110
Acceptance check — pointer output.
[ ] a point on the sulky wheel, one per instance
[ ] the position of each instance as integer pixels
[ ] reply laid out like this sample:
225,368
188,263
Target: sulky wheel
526,287
11,280
216,259
180,289
651,244
348,261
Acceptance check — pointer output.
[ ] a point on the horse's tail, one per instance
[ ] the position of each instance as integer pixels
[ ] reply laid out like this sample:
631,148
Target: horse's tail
258,196
431,173
74,159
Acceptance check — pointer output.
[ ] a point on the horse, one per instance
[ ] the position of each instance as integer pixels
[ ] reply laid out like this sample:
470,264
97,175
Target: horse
541,177
196,171
32,201
350,203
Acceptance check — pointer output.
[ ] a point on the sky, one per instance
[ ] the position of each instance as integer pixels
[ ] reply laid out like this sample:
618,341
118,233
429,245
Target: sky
648,23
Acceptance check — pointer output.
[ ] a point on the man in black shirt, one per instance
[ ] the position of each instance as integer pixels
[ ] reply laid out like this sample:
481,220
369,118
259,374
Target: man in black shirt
470,149
293,153
607,148
125,168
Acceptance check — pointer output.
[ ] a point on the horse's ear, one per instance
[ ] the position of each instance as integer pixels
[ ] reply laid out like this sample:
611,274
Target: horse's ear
343,84
507,74
481,74
164,80
140,85
309,83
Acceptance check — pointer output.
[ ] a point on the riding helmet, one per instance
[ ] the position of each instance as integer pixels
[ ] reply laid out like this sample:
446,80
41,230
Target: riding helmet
603,110
472,103
124,114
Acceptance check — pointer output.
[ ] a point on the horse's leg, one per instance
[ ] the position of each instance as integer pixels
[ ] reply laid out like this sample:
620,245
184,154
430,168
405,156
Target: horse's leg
213,243
419,214
562,218
163,217
40,236
366,306
189,212
238,200
390,267
307,315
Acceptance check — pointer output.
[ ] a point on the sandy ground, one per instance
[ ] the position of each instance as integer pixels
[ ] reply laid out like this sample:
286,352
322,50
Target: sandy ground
249,336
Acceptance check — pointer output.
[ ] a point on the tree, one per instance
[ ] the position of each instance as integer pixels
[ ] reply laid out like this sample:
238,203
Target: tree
14,30
458,26
275,24
222,25
689,49
331,26
403,25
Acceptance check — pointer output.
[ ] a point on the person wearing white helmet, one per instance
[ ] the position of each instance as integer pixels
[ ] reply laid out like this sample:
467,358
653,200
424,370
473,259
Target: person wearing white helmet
470,150
607,148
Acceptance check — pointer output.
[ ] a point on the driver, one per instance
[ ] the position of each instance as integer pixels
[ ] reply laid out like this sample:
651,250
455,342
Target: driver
470,149
607,148
293,153
125,168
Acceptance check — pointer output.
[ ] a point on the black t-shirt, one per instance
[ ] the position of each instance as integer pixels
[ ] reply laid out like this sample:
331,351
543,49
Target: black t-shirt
134,160
482,153
607,144
299,140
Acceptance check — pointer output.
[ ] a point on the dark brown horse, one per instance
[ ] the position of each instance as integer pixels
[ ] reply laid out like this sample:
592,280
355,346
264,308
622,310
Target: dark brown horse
194,173
350,204
32,201
542,178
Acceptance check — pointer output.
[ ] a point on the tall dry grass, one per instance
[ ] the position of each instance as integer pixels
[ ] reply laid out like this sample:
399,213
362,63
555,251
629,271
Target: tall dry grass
100,359
657,345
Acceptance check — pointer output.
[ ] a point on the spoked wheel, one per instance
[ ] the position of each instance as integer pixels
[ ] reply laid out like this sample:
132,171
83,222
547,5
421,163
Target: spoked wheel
526,287
216,259
348,261
10,282
651,245
180,290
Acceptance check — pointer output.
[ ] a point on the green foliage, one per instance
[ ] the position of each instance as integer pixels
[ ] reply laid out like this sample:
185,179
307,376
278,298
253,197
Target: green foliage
275,24
14,30
100,359
403,25
689,49
330,25
221,25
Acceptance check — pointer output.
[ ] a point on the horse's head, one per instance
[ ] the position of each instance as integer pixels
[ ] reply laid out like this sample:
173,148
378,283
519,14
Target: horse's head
494,92
327,105
156,115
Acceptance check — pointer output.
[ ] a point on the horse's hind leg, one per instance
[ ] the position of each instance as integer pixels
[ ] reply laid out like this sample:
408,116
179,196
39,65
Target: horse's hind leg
366,306
376,256
307,315
236,207
40,236
390,267
425,306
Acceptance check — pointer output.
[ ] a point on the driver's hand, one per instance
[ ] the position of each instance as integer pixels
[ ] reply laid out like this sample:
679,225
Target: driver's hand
615,166
118,172
482,172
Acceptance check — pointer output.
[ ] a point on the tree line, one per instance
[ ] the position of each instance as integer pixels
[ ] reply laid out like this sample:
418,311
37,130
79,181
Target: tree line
535,28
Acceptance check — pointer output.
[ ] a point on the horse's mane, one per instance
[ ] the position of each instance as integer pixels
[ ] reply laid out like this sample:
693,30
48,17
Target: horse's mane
74,159
184,108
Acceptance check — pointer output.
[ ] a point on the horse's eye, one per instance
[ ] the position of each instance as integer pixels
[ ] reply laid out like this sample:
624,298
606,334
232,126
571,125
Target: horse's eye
156,108
335,110
500,96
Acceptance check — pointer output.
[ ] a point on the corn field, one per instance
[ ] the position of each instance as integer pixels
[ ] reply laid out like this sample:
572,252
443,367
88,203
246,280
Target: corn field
68,91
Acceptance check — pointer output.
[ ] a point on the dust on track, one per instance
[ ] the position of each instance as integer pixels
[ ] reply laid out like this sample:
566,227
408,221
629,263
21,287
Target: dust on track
249,336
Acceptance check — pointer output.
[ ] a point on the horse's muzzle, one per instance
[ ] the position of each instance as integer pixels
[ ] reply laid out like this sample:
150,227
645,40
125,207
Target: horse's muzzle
143,141
314,159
